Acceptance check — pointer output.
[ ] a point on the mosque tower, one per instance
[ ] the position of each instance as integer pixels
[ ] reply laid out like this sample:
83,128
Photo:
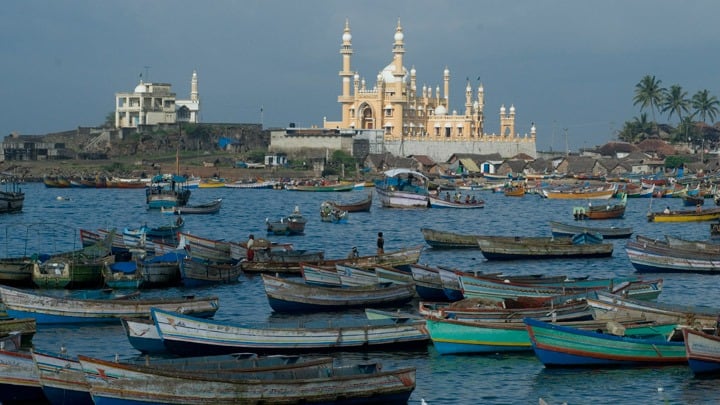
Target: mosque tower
194,88
345,99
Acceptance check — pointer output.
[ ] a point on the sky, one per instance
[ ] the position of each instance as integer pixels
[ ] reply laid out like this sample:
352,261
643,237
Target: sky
569,66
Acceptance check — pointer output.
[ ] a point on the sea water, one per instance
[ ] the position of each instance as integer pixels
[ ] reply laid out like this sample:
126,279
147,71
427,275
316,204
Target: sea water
49,224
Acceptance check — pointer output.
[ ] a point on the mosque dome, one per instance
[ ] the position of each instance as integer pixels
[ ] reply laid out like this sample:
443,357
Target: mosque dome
399,36
440,110
141,88
512,109
347,36
388,77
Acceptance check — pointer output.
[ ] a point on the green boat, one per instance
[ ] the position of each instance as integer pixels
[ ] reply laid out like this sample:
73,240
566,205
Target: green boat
562,346
453,336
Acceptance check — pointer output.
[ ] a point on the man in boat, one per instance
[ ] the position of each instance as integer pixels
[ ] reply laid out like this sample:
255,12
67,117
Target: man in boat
666,210
250,251
353,253
380,244
698,208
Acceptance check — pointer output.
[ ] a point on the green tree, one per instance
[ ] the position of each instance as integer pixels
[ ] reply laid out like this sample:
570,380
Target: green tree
705,106
109,120
636,130
675,102
648,93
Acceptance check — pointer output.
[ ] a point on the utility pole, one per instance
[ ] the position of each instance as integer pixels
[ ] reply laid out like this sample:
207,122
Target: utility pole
567,150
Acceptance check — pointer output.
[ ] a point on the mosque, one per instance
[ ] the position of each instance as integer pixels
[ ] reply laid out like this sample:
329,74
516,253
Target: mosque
155,103
406,121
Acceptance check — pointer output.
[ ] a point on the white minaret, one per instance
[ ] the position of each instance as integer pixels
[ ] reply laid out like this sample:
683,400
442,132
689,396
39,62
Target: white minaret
194,97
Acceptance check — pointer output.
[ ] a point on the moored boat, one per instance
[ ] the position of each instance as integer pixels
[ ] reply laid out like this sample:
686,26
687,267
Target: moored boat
703,351
403,188
292,296
561,229
540,248
12,197
437,202
709,214
348,384
212,207
47,309
361,205
449,240
563,346
186,334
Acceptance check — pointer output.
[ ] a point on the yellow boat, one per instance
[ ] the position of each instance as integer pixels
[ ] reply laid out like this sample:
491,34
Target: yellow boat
211,183
578,194
685,215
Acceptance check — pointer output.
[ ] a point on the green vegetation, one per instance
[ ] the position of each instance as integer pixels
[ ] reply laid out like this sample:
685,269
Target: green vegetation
672,162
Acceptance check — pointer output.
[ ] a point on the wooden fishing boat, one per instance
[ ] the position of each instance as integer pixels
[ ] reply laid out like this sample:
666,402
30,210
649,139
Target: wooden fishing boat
396,258
212,207
161,270
497,289
122,275
568,230
185,334
293,224
212,182
598,193
70,270
452,336
514,191
291,296
63,379
328,213
362,205
607,305
403,188
540,248
255,184
608,211
16,270
429,284
692,200
47,309
216,251
170,191
321,186
19,381
143,335
564,346
702,350
449,240
12,197
709,214
166,233
553,309
654,256
436,202
198,272
337,384
26,327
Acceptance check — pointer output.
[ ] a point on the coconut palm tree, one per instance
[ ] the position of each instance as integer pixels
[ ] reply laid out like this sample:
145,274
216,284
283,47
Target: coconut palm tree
648,93
705,106
675,102
636,130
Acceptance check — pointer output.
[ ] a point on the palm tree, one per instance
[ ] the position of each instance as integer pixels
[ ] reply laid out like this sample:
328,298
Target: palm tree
676,102
705,106
648,93
636,130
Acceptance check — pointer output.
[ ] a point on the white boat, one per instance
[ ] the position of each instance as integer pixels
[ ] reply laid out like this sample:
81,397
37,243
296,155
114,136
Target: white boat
403,188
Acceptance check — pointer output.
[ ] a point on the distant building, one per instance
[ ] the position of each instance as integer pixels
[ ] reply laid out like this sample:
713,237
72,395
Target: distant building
155,103
412,122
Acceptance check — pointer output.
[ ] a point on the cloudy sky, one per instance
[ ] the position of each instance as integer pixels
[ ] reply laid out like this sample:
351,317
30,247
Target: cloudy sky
570,66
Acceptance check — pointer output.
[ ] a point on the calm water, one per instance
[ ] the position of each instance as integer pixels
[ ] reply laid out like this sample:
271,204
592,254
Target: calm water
51,225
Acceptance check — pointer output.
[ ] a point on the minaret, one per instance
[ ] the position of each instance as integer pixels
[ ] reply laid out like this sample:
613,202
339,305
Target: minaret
413,83
468,100
398,51
446,89
194,88
346,73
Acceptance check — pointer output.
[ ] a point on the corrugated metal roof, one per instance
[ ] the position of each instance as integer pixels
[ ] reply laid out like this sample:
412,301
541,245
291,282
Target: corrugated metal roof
469,165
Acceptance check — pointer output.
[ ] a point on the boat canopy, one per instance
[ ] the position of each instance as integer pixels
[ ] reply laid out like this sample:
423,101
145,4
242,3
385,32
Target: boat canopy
396,172
174,177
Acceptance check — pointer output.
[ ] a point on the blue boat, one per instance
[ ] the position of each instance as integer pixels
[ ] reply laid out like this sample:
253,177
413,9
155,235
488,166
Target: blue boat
563,346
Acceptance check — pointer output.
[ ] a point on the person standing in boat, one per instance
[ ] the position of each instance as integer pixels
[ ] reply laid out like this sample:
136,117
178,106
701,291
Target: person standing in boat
380,244
250,250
